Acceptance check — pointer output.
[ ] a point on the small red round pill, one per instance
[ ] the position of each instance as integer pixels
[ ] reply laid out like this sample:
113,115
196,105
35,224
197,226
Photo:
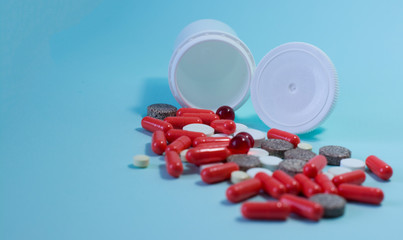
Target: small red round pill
248,137
226,112
239,145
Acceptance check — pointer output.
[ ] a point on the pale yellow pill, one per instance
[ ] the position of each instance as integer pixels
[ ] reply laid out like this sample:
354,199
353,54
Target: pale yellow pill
141,161
238,176
305,146
183,155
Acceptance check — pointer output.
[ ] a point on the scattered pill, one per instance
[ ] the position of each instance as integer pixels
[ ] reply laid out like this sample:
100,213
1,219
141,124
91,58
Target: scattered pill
360,193
239,145
326,183
257,135
211,145
334,171
334,154
239,176
276,147
271,210
206,118
245,161
379,167
154,124
181,111
223,126
173,134
303,207
305,146
258,152
292,166
183,155
221,135
202,167
353,177
226,112
218,173
161,111
248,137
201,140
291,185
353,164
279,134
158,142
198,127
298,153
181,143
173,164
253,171
270,162
308,186
314,166
332,204
240,127
180,122
141,161
201,156
243,190
270,185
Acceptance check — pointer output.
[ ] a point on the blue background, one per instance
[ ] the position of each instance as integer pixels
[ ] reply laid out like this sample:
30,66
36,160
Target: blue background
75,81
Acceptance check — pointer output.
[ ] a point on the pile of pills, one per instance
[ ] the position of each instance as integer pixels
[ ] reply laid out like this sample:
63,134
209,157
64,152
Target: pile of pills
280,166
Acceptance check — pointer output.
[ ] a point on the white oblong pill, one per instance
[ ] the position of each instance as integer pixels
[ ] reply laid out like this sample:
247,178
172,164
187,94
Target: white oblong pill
257,135
198,127
221,135
183,155
208,165
353,164
258,152
338,170
240,127
270,162
253,171
305,146
239,176
141,161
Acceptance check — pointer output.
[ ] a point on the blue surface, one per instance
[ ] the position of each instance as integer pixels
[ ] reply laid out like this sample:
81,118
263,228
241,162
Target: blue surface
75,80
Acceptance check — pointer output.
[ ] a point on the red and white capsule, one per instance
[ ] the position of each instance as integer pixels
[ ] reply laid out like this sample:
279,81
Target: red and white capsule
360,193
291,185
224,126
314,166
180,122
201,156
303,207
180,144
206,118
181,111
309,187
173,164
354,177
158,142
173,134
243,190
271,185
279,134
218,140
272,210
153,124
325,183
218,173
379,167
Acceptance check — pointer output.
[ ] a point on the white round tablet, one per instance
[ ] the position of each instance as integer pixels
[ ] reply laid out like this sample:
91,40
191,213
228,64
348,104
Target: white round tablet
329,175
253,171
305,146
338,170
270,162
240,127
198,127
183,155
141,161
353,164
208,165
258,152
238,176
257,135
221,135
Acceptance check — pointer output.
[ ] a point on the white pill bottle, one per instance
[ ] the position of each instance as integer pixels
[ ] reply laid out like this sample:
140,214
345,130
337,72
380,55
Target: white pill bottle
293,88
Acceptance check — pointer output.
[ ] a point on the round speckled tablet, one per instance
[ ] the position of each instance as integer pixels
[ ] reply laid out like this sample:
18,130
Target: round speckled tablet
334,154
245,161
298,153
276,147
332,204
161,111
292,166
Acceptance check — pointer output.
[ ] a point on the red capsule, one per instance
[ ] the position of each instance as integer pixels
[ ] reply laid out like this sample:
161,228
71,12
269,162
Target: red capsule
354,177
303,207
212,145
173,134
158,142
379,167
279,134
181,111
309,187
200,156
243,190
325,183
224,126
314,166
265,210
181,143
180,122
271,185
153,124
360,193
173,163
206,118
218,173
291,185
201,140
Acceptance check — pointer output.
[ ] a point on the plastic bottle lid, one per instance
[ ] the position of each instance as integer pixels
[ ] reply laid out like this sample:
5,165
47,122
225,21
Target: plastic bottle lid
294,87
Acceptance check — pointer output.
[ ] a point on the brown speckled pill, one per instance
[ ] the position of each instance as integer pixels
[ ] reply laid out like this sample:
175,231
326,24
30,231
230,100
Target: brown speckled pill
334,154
245,161
333,204
276,147
292,166
298,153
161,110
